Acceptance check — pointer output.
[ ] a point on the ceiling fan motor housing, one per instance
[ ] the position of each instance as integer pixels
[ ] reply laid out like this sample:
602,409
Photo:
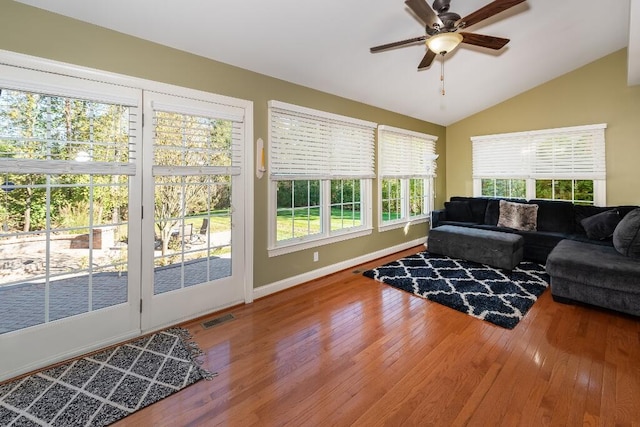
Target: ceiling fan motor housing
449,20
441,6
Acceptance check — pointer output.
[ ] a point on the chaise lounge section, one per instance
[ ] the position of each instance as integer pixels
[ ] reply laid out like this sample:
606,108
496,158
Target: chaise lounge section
604,276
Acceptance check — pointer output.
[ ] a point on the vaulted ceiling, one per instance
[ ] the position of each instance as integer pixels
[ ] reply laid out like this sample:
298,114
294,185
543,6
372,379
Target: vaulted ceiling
325,45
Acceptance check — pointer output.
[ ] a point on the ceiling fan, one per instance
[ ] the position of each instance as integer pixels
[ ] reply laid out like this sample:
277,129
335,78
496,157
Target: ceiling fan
443,28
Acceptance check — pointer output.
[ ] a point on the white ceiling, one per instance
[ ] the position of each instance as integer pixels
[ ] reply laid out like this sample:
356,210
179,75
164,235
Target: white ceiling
325,45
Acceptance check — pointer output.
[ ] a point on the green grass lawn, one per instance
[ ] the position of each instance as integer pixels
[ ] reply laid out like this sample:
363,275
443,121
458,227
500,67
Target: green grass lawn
303,222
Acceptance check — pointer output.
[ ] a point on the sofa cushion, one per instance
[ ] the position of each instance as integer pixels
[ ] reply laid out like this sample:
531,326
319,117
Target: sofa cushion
581,212
555,216
626,237
458,211
492,214
602,225
593,264
519,216
478,208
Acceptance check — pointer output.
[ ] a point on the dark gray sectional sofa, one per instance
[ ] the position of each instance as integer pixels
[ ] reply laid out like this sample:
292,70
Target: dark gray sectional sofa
592,254
557,220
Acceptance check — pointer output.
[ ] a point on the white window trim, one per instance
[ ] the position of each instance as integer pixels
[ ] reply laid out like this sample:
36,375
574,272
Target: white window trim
599,183
406,219
275,248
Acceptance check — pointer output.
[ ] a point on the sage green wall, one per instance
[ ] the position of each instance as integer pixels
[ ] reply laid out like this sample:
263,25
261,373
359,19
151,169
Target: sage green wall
595,93
39,33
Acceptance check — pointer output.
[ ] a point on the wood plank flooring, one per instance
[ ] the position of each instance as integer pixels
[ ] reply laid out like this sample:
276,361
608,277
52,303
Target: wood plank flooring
346,350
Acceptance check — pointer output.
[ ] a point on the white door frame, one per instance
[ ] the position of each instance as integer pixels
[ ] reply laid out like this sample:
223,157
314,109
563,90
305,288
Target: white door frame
172,307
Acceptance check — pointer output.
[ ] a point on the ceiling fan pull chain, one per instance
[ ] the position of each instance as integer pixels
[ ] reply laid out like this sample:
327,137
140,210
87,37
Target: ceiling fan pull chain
442,74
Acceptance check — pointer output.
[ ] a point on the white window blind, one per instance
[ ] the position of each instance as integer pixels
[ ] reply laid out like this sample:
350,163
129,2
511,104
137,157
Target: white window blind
70,134
572,152
310,144
196,137
406,154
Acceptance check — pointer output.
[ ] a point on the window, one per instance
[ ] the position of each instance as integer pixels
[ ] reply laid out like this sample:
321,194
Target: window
407,169
321,166
553,164
511,188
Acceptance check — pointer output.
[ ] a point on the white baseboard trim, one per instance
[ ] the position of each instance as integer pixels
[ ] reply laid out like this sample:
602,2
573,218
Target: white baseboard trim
290,282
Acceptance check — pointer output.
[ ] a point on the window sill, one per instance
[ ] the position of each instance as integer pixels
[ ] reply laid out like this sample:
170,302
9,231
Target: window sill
402,224
314,243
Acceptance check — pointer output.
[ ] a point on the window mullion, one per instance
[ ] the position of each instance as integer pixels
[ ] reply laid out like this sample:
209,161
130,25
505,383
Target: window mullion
325,206
404,198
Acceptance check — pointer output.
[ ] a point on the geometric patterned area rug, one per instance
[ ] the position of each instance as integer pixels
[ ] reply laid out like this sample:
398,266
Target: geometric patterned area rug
498,296
104,387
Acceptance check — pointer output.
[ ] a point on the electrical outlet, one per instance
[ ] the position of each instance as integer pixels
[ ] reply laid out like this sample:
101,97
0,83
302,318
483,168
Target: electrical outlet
315,257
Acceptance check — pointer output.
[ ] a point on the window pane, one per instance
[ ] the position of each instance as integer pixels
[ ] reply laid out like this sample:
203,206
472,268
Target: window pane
285,194
192,230
188,140
345,210
417,197
488,187
298,209
544,189
47,127
584,191
502,188
391,199
563,189
518,188
73,263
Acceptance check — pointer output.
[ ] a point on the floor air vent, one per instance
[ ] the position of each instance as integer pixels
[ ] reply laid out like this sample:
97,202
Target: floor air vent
216,321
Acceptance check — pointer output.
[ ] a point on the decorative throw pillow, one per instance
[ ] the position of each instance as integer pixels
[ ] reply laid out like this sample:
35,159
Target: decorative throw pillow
519,216
626,237
458,211
601,226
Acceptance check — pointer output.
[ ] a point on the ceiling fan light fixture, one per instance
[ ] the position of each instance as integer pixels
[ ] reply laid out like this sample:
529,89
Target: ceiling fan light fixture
444,43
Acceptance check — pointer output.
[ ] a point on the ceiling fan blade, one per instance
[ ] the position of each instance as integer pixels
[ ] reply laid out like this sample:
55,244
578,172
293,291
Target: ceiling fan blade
397,44
424,12
427,60
489,10
484,41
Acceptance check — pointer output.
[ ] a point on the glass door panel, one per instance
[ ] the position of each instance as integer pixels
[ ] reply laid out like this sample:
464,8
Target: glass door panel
68,172
195,238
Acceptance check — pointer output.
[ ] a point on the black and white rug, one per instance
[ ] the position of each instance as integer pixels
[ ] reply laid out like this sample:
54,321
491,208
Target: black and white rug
102,388
498,296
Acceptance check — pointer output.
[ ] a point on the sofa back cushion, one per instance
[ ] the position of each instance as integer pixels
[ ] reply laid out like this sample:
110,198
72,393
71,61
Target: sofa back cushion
458,210
555,216
626,237
478,206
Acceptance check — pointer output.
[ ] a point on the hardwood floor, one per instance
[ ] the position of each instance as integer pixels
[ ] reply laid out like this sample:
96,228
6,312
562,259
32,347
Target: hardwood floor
347,350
